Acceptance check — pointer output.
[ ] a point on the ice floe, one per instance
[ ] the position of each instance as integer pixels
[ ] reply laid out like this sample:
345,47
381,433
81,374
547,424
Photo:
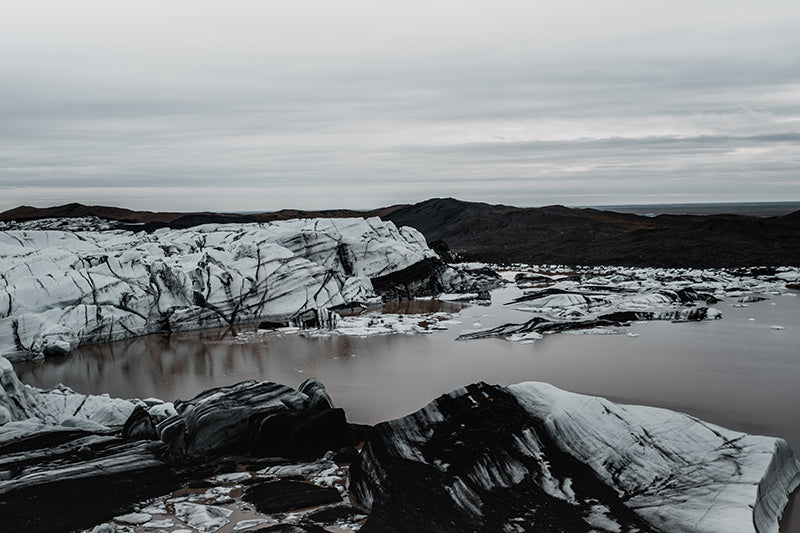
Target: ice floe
532,454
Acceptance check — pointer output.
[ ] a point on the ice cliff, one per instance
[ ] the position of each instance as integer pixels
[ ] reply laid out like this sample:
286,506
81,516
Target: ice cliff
87,282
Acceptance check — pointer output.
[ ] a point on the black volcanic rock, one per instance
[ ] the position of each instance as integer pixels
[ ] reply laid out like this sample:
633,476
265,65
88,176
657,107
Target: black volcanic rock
318,397
257,419
618,318
302,434
79,482
140,425
443,251
421,278
431,277
279,496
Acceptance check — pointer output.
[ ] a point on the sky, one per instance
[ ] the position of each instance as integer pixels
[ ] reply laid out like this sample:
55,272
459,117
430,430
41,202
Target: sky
270,104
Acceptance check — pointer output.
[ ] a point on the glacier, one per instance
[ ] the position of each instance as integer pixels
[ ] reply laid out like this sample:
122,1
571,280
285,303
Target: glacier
87,282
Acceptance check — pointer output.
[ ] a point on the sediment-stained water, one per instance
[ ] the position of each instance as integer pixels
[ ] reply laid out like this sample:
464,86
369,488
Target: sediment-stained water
740,372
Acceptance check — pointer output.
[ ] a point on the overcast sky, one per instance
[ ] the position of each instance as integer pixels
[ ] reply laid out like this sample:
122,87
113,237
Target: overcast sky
269,104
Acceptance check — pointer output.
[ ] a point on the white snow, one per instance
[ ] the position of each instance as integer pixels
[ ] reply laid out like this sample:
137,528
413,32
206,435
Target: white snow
676,471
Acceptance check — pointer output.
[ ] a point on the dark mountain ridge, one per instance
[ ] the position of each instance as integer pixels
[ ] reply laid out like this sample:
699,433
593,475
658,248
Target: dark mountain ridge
545,235
561,235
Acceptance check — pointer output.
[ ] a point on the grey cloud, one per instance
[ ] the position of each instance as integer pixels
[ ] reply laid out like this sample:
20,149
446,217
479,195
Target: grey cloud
370,105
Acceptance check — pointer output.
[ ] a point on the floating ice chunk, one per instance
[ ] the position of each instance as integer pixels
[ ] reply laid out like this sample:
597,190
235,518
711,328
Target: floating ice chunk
596,331
204,518
155,509
322,472
247,524
157,524
452,297
110,528
233,477
133,519
531,336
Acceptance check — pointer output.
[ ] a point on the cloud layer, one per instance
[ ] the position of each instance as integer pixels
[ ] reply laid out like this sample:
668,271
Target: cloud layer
254,105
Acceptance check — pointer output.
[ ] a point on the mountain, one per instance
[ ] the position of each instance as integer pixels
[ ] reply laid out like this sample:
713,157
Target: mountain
176,220
544,235
561,235
26,212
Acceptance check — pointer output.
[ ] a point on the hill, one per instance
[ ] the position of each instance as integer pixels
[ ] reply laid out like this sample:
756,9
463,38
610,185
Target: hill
561,235
545,235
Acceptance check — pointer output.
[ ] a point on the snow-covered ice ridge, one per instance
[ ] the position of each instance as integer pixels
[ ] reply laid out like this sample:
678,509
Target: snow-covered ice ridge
87,282
507,458
60,449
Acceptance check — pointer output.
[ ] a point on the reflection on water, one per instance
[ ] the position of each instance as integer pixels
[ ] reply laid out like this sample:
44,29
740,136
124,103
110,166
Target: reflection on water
421,307
735,372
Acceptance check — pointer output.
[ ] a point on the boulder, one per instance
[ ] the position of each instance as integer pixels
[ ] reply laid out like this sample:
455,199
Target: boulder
283,495
255,419
531,457
140,425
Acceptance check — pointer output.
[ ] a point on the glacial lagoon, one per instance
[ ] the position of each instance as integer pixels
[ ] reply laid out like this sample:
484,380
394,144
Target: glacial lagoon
741,372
